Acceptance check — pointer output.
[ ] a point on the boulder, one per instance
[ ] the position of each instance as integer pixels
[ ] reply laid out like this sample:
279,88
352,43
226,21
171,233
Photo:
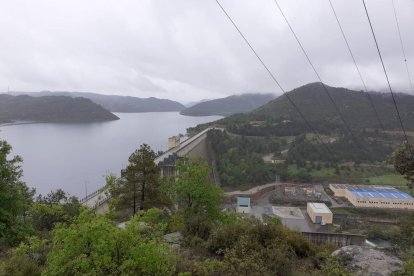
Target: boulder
363,260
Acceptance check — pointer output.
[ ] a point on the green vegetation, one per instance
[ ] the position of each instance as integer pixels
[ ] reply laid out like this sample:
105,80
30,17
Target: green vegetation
198,199
60,237
343,150
70,240
240,162
371,212
367,145
280,116
240,159
15,198
404,163
94,245
52,109
47,211
391,179
333,156
138,188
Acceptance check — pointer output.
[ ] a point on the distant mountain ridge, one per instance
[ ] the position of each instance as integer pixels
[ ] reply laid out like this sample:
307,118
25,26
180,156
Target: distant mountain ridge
52,109
279,117
228,105
115,103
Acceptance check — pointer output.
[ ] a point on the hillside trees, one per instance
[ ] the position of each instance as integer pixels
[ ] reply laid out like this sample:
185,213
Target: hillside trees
198,198
403,159
240,159
56,207
15,198
138,188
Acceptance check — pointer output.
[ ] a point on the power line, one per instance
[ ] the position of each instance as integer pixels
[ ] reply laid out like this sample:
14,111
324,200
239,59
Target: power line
356,65
273,76
385,71
402,47
317,75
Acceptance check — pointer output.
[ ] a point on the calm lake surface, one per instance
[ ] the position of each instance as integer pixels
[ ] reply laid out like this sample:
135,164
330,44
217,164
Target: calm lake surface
76,157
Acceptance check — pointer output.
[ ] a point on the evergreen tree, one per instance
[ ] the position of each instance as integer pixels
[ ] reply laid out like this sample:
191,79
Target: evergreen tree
138,187
404,163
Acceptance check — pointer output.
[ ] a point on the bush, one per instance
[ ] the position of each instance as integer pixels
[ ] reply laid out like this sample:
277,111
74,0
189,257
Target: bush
27,259
94,245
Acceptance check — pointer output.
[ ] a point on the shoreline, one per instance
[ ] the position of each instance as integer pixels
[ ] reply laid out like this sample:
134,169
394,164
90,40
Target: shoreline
19,123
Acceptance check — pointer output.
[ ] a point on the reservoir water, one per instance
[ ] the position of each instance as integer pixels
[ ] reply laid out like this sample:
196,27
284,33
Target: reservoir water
76,157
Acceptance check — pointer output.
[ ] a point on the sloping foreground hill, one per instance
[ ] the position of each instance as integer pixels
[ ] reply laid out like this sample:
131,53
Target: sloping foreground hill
278,117
116,103
52,109
229,105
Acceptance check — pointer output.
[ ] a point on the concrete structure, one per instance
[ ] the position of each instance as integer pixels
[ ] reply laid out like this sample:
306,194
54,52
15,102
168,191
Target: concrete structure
173,142
97,200
193,147
373,196
319,213
338,239
243,205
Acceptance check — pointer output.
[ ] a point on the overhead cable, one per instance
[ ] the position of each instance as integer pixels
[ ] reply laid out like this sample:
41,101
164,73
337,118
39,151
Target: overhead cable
272,76
357,67
385,72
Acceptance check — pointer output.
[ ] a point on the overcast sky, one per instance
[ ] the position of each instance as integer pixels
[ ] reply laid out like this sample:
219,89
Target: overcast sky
187,50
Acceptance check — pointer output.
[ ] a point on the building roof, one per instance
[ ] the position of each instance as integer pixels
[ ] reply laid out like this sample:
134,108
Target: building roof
349,186
319,207
243,201
379,193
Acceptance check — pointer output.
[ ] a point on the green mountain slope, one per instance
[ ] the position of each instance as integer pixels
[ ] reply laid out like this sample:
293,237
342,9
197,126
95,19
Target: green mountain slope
52,109
116,103
313,101
229,105
279,117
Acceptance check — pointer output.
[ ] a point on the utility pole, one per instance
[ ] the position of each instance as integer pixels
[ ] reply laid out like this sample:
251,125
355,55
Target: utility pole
86,189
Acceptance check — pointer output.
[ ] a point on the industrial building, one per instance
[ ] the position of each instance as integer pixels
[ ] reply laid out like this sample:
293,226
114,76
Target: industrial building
319,213
373,196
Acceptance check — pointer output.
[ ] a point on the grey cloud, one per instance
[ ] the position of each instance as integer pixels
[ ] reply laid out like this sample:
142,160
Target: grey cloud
187,50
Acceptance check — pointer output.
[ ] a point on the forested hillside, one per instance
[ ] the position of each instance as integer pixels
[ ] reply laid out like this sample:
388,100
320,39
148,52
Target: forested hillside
229,105
279,117
332,154
115,103
52,109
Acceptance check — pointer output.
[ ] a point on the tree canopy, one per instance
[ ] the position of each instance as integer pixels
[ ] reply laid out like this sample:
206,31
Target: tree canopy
15,198
198,198
94,245
138,187
404,163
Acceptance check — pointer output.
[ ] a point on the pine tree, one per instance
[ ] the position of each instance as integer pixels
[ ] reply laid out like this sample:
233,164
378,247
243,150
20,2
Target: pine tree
138,187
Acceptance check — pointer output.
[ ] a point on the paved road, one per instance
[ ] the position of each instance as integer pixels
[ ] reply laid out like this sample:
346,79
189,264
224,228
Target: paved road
334,204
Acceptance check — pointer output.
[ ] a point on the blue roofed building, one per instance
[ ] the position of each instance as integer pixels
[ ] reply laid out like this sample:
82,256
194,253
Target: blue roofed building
378,197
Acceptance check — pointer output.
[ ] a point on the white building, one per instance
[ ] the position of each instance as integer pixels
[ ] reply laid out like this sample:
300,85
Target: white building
319,213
